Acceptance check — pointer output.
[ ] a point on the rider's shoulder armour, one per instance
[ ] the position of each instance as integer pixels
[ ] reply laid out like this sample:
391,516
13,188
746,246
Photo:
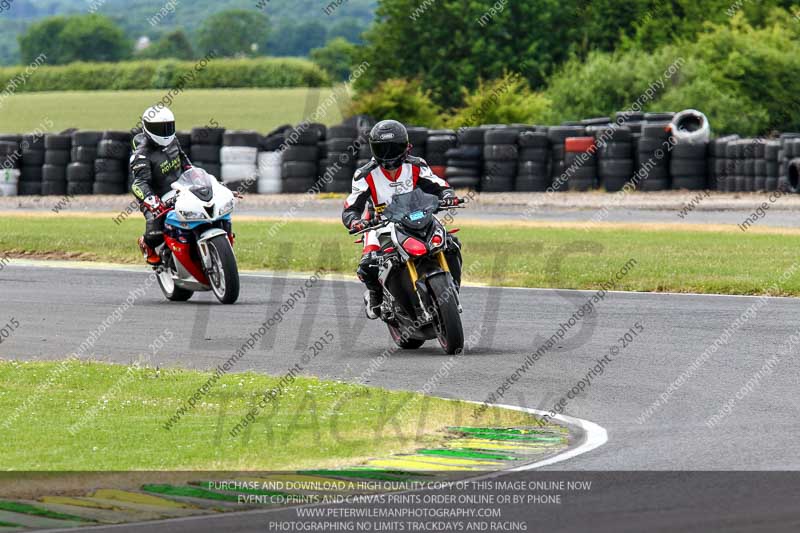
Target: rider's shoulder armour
364,171
139,142
418,161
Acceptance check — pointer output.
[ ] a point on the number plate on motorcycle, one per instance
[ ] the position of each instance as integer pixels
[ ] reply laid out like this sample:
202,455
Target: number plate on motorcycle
416,215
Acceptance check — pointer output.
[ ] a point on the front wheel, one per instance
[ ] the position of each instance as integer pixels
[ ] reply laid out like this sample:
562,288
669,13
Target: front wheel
167,283
224,273
449,330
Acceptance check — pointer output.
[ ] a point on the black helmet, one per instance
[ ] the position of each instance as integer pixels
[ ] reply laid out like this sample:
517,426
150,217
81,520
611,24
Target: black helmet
389,143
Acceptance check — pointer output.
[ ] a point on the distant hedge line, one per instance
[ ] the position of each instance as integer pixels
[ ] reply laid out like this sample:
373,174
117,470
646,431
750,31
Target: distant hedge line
163,74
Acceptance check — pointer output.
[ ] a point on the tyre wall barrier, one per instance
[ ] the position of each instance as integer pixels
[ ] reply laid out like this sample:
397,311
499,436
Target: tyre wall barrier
636,150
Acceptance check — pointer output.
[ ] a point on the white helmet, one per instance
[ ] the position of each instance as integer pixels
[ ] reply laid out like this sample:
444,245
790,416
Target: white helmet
158,123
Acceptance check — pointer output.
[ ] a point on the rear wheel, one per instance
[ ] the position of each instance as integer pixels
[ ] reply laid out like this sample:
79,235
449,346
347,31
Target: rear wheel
403,341
167,283
224,274
449,330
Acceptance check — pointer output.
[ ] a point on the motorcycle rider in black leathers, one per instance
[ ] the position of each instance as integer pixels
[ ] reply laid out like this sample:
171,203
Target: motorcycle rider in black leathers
391,171
157,162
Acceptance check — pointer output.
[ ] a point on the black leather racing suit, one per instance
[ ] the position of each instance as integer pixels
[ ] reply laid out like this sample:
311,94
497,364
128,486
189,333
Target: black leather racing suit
154,168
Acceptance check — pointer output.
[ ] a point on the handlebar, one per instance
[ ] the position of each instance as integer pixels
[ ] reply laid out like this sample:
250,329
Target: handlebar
169,204
379,223
369,226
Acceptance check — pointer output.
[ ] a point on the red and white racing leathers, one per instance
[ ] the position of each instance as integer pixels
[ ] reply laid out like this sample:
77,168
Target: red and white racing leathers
374,188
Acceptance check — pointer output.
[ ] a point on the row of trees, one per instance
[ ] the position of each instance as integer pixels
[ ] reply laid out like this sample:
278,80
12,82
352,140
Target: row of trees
230,33
455,43
741,72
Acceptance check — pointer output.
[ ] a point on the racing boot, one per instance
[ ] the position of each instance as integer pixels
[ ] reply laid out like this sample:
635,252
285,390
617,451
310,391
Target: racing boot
368,273
149,254
372,303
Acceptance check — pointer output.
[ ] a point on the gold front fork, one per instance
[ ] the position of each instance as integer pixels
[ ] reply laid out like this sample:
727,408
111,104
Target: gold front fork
443,261
412,269
412,273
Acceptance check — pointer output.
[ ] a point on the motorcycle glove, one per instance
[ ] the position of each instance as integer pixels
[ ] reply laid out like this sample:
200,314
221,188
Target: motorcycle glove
358,225
154,204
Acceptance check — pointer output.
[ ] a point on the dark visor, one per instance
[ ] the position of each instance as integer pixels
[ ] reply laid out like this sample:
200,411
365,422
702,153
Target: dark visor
387,150
161,129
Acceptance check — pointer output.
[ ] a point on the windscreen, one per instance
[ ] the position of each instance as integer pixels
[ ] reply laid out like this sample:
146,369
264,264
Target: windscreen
412,206
195,177
199,182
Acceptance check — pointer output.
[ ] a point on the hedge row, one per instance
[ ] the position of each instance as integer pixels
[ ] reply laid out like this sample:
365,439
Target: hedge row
136,75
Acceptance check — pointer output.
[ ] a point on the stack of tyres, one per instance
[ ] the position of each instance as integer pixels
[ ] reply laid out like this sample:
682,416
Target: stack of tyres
184,140
10,160
464,163
771,151
274,140
239,159
501,156
759,166
56,158
322,154
204,151
653,150
732,165
111,165
360,144
32,149
790,149
723,166
580,160
270,161
269,172
364,152
534,156
437,144
717,162
745,170
299,160
80,172
750,150
615,153
634,122
343,146
743,149
418,138
688,167
557,135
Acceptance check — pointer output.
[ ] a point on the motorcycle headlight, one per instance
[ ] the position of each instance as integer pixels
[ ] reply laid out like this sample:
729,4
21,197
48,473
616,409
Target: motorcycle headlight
192,215
227,208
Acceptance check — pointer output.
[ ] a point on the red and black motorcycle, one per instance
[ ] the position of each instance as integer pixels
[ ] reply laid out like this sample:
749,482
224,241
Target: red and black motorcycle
419,269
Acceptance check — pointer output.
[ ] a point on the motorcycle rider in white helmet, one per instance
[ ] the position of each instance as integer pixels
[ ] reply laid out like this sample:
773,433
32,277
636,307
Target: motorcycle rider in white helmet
157,161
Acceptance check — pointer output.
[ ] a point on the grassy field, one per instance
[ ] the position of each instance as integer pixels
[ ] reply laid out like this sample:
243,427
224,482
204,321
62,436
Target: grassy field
119,413
257,109
679,260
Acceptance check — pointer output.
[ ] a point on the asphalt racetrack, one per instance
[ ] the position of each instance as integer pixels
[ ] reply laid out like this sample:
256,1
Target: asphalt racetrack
58,306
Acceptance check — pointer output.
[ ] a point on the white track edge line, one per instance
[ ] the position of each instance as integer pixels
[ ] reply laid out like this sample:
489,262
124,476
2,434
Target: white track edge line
595,436
110,267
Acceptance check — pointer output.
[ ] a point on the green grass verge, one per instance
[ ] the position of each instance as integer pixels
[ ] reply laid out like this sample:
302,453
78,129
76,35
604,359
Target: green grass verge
310,425
257,109
520,256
